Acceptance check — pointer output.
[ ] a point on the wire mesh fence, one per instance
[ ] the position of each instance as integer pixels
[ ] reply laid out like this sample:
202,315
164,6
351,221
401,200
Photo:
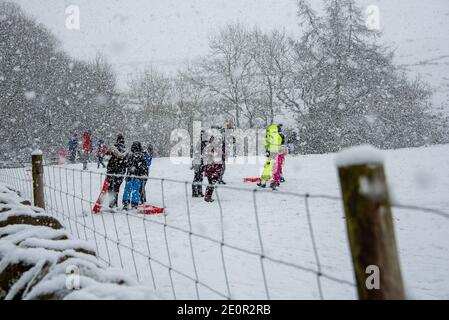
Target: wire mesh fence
18,176
219,251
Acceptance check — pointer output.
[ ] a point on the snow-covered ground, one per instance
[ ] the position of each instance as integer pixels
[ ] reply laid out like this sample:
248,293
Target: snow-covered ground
416,177
36,255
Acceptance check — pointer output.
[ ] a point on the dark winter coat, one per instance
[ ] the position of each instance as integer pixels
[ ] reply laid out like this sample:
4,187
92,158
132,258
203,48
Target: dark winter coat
117,163
73,144
136,162
198,152
212,156
213,171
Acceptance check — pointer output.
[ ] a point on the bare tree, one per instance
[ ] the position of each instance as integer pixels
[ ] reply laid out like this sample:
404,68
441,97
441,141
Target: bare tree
270,54
228,73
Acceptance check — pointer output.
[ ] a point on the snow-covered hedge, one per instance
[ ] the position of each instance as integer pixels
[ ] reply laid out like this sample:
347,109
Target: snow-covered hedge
41,260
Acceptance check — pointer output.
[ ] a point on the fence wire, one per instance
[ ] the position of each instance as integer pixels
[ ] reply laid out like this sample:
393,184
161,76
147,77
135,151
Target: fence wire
120,244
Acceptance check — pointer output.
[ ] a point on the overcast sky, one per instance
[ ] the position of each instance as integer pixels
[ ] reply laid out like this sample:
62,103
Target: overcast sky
135,33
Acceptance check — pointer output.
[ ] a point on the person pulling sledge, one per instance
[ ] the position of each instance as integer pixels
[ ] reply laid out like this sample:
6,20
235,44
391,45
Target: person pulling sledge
273,148
281,157
137,169
116,169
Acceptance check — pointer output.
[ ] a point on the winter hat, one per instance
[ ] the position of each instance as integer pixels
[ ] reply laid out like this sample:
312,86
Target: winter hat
280,126
121,139
136,147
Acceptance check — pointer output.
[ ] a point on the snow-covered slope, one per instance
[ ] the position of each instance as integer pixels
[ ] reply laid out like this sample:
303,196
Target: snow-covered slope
418,177
135,34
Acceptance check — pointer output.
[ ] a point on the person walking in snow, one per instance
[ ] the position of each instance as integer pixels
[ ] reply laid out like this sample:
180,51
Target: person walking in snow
223,156
213,165
198,167
137,169
279,161
273,146
101,153
283,152
116,169
148,156
73,148
87,147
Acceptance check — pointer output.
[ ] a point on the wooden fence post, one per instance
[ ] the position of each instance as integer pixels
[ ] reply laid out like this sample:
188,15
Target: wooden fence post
369,224
38,179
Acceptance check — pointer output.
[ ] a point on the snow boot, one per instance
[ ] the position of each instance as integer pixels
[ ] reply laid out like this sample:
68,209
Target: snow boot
125,205
208,199
197,191
274,186
262,184
113,202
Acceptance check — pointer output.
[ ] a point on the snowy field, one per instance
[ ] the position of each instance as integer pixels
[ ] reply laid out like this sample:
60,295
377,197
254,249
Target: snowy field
417,177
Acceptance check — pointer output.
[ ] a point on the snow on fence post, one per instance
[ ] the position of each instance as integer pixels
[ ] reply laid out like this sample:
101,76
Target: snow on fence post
38,179
370,224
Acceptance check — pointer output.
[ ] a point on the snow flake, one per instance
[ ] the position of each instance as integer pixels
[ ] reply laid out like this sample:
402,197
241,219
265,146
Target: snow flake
30,95
371,119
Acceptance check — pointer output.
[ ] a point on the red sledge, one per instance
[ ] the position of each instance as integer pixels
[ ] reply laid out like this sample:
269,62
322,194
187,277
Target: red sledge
143,208
252,180
97,206
149,209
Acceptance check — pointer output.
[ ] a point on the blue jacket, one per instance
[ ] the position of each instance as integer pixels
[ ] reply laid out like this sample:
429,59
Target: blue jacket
148,159
73,144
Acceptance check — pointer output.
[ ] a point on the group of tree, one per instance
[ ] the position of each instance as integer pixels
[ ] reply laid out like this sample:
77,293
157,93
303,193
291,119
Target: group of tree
335,85
46,95
337,81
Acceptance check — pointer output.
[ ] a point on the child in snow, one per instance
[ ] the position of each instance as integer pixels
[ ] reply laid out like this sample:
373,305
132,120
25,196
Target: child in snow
136,170
213,165
101,152
73,148
277,168
116,168
148,155
281,157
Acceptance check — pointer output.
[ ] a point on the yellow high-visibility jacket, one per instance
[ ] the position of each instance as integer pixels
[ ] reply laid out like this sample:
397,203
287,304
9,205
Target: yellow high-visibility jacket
273,140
